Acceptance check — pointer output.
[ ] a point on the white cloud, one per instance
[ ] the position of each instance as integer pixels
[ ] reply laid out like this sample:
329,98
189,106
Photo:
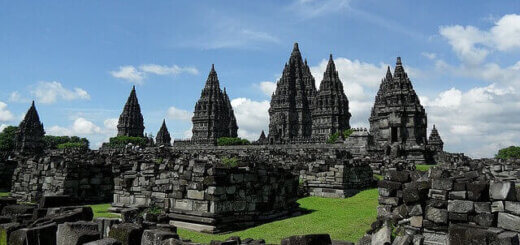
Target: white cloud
314,8
15,96
430,56
129,73
83,127
167,70
188,133
5,114
473,45
252,117
50,92
267,87
2,127
179,114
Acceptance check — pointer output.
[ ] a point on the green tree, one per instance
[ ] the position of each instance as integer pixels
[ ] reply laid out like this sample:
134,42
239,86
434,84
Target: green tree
52,142
232,141
509,152
121,141
7,139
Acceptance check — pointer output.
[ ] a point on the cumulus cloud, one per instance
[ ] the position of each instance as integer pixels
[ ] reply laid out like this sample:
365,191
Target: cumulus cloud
50,92
138,75
267,87
3,126
167,70
129,73
83,127
252,117
473,45
15,96
5,114
315,8
178,114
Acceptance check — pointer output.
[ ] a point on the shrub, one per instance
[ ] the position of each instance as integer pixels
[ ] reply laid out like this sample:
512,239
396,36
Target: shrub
121,141
231,141
52,142
72,145
230,162
347,133
332,138
509,152
7,137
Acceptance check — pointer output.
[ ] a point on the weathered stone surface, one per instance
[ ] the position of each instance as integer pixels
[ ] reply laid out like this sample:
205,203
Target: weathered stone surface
512,207
382,236
460,206
497,206
502,190
509,222
40,235
312,239
436,215
105,224
77,233
131,120
156,237
442,184
105,241
12,210
56,201
127,234
482,207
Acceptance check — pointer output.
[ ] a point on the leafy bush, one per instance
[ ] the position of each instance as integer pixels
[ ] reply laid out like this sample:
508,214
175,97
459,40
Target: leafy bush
53,142
121,141
230,162
232,141
72,145
509,152
347,133
7,137
332,138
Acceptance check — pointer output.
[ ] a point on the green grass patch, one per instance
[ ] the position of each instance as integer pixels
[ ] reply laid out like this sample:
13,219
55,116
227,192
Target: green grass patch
344,219
378,176
4,194
101,210
423,167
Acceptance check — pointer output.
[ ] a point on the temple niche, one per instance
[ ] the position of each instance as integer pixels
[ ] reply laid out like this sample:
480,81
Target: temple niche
131,120
397,115
330,112
213,116
290,113
29,137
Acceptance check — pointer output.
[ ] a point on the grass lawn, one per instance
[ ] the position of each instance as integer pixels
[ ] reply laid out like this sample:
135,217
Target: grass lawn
101,210
344,219
423,167
4,194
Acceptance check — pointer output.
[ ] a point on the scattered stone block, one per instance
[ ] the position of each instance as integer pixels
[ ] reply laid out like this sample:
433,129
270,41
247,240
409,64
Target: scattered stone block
508,221
460,206
442,184
382,236
56,201
156,237
497,206
439,216
512,207
105,224
40,235
106,241
502,190
313,239
482,207
77,233
127,233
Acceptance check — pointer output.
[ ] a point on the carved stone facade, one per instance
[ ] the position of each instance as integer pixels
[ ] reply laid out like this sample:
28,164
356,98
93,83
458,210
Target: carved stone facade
131,120
213,117
434,141
163,136
397,115
290,114
330,112
29,137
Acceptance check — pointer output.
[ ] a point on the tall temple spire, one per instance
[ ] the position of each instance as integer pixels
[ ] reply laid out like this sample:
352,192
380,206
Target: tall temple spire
213,116
434,141
163,136
131,120
29,137
291,104
331,107
397,115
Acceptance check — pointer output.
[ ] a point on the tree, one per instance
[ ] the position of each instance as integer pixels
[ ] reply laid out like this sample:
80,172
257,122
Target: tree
509,152
7,139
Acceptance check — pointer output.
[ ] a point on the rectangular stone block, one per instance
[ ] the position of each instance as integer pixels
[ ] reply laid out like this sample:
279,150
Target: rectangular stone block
508,221
460,206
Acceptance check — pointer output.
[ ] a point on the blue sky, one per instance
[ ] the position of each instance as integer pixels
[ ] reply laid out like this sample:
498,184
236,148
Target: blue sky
79,59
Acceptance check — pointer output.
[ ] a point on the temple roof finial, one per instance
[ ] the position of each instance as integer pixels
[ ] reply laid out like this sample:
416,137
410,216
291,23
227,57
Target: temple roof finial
398,62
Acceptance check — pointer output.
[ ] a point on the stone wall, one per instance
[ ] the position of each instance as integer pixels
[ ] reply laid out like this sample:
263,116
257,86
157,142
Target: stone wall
474,200
83,175
7,168
204,192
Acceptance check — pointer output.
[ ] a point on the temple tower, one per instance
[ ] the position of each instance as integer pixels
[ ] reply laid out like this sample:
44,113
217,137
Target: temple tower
213,116
291,104
397,115
131,120
29,137
163,136
434,141
330,110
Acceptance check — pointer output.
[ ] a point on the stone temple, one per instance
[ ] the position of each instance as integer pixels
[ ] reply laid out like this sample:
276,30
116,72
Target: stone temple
330,111
29,137
397,115
131,120
290,114
435,141
213,116
163,137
